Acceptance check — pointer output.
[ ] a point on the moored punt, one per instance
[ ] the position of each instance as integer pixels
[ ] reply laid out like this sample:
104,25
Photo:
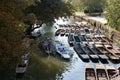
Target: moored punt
99,38
58,32
89,39
70,39
77,31
61,25
89,52
95,39
62,32
81,53
67,31
82,38
101,52
64,52
112,52
82,32
87,31
46,45
72,31
109,41
90,72
101,72
111,71
21,67
76,39
117,50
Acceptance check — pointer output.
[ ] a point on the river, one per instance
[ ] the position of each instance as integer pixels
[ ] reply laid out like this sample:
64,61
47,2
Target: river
44,67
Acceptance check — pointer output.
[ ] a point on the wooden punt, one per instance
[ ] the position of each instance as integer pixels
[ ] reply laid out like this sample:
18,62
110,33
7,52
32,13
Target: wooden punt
58,32
82,38
67,31
80,52
117,50
112,52
90,72
101,72
77,31
89,39
95,39
70,39
109,41
22,67
111,70
76,39
72,31
89,52
62,32
99,38
82,32
101,52
87,31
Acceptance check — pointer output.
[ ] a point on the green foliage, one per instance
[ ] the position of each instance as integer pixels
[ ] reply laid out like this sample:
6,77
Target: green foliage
94,4
48,10
113,13
11,29
77,4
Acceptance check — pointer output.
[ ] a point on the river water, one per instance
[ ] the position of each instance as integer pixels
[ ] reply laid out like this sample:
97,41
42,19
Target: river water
44,67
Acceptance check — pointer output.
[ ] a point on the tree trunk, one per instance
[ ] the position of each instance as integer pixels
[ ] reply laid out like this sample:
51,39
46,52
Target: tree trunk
30,29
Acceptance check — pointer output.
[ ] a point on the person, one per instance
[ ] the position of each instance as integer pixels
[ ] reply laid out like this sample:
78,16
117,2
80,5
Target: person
98,31
112,35
45,43
61,48
49,45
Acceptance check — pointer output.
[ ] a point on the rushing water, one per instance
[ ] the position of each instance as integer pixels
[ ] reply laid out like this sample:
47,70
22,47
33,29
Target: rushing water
42,67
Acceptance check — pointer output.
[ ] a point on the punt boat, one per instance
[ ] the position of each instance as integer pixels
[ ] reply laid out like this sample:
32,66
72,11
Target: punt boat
58,32
62,32
76,39
63,51
70,39
111,71
22,66
112,52
101,72
90,72
80,52
87,50
101,52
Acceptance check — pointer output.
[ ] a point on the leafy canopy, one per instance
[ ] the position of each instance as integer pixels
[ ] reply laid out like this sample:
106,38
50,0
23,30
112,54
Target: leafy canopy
48,10
113,13
92,5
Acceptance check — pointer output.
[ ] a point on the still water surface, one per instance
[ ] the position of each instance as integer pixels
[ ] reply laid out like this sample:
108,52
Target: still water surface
43,67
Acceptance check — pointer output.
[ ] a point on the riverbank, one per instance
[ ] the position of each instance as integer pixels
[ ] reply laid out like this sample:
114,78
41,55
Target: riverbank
101,23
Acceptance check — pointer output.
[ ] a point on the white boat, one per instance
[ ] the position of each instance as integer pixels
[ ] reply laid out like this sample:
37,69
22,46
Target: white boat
63,51
21,67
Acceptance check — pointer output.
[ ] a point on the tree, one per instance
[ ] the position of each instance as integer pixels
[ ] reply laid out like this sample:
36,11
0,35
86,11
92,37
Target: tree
93,5
113,13
11,33
48,10
77,4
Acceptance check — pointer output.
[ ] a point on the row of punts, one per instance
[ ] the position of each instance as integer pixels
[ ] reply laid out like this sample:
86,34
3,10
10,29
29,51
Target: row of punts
100,72
91,44
94,45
